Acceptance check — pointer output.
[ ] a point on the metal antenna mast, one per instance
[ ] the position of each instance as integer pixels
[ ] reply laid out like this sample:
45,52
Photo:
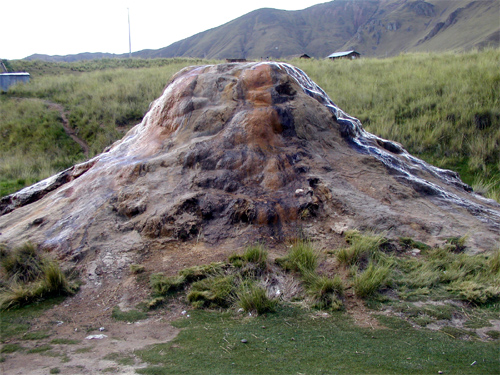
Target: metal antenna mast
129,38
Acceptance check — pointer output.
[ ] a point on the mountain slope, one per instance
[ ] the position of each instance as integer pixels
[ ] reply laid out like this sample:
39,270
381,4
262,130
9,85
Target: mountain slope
371,27
374,28
432,25
277,33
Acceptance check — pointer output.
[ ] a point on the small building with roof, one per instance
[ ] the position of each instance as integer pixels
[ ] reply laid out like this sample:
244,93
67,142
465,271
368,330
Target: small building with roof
351,55
9,79
300,56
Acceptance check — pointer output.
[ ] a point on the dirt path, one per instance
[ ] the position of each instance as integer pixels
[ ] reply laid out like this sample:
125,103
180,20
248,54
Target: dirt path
77,350
65,123
67,128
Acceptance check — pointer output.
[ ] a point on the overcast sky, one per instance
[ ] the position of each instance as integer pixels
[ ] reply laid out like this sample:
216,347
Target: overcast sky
63,27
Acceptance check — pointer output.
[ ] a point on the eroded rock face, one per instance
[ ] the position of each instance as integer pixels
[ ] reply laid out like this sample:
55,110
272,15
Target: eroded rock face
245,150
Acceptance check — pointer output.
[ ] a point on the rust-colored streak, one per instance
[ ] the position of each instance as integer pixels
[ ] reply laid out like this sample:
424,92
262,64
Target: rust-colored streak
261,120
257,83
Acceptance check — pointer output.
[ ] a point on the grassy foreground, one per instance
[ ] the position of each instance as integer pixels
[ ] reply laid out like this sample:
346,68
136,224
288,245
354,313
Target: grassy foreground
298,335
236,321
294,341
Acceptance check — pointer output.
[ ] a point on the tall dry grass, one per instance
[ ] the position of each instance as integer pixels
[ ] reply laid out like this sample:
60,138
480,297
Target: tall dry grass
445,108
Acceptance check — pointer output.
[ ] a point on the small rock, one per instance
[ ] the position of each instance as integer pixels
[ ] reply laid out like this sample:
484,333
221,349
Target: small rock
102,329
244,341
96,337
38,221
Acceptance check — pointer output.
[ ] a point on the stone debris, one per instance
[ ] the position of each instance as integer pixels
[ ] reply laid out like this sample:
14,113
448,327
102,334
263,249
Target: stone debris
96,337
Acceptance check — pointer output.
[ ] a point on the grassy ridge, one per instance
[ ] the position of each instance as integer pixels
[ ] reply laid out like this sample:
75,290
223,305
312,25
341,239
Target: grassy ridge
444,108
103,99
33,144
39,68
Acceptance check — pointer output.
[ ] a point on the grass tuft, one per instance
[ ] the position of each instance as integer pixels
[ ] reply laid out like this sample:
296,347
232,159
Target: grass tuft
408,243
494,263
362,246
163,285
213,292
302,258
374,277
31,276
137,269
326,293
201,272
256,254
24,264
475,292
253,299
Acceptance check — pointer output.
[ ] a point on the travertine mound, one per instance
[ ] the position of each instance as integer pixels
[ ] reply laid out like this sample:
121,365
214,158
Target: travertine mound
244,151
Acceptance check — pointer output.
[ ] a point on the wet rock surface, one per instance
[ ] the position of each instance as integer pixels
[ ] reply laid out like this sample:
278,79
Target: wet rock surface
243,152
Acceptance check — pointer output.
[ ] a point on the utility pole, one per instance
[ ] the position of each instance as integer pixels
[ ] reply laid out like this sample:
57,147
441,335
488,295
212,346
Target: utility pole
129,38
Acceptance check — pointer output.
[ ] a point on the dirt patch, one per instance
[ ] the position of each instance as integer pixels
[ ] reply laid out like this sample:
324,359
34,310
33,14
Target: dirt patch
89,313
460,323
361,315
72,349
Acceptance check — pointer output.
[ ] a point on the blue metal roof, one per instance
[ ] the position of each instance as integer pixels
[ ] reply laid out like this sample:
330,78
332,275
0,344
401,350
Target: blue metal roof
15,74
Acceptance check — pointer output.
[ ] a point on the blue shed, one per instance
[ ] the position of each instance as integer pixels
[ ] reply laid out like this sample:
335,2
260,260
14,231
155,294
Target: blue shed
9,79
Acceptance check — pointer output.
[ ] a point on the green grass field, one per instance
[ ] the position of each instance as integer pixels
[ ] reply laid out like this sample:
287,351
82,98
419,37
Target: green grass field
294,341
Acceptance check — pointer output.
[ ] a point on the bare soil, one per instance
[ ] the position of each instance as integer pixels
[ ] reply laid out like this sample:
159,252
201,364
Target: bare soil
88,313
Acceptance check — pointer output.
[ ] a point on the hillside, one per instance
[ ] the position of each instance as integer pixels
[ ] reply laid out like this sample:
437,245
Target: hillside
373,27
433,25
72,58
